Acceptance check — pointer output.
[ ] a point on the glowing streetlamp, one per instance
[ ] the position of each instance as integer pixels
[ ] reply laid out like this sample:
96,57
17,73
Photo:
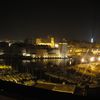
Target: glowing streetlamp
56,45
82,60
92,59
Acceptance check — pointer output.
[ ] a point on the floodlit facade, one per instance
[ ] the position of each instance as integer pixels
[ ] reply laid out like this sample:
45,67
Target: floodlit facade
58,49
51,43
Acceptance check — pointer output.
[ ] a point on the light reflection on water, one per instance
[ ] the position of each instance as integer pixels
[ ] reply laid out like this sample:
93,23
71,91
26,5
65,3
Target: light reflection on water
31,66
44,63
49,69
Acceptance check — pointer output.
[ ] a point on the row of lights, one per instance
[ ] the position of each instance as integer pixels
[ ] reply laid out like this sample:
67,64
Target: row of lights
91,59
28,55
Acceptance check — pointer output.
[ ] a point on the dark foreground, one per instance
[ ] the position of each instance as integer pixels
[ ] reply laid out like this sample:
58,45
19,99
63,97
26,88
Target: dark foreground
12,91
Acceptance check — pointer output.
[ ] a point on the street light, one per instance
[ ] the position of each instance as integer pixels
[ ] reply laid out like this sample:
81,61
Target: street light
98,58
56,45
82,60
24,54
92,59
28,54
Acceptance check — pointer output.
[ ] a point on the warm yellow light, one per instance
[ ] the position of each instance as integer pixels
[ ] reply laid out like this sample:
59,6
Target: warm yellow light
92,68
82,60
92,59
28,54
70,62
98,58
5,67
56,45
52,42
33,55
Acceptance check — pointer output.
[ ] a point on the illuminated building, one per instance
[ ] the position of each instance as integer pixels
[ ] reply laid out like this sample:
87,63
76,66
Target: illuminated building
63,49
53,53
51,43
38,40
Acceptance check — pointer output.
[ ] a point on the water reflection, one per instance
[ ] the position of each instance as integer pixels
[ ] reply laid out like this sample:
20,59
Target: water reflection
36,65
58,62
55,70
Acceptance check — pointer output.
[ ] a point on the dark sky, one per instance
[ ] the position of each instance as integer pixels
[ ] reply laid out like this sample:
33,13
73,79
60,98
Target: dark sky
74,20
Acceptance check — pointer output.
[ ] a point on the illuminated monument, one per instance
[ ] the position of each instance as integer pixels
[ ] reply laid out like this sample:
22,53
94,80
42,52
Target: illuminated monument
51,43
58,49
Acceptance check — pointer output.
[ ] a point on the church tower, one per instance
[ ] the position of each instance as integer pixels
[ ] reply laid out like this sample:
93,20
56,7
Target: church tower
92,39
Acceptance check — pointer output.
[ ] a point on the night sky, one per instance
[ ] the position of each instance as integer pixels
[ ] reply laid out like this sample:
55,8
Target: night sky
73,20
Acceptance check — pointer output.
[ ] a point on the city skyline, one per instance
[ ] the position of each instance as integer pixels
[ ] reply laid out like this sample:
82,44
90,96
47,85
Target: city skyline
73,20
